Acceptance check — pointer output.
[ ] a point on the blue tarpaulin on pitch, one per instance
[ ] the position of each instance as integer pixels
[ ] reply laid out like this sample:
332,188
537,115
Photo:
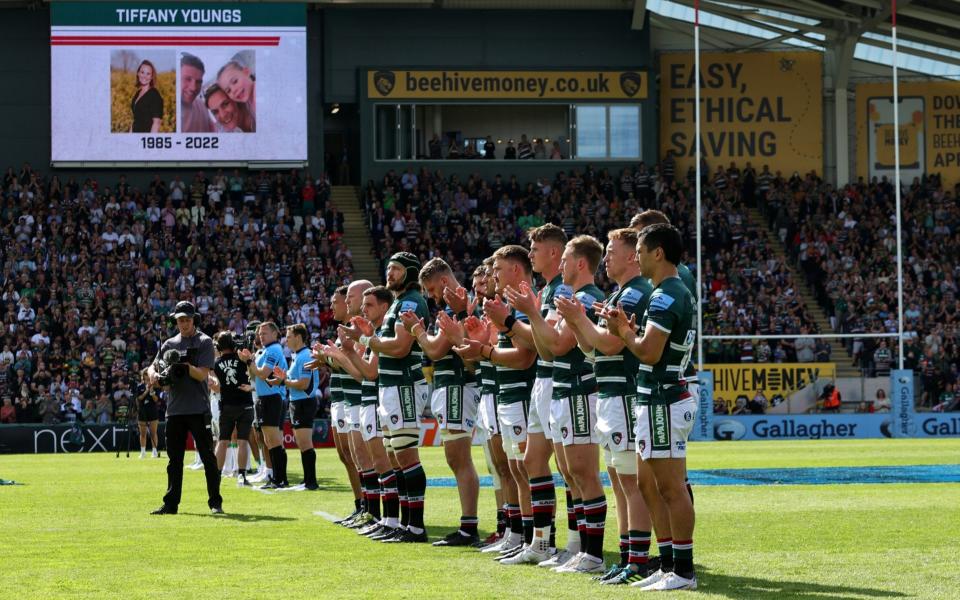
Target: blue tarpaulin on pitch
794,476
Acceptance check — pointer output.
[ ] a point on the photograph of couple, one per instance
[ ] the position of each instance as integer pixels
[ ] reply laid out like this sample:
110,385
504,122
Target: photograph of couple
220,101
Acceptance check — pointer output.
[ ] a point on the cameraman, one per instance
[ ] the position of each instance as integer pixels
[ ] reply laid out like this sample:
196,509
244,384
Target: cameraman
236,403
270,396
188,405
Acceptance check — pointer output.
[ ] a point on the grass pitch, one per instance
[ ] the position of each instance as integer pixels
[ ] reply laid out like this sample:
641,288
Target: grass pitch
79,527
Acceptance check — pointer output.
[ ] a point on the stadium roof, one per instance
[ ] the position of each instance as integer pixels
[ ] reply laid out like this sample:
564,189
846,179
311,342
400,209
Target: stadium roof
928,31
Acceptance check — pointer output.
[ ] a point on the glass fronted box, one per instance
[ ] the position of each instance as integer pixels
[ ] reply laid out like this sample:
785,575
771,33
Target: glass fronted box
507,132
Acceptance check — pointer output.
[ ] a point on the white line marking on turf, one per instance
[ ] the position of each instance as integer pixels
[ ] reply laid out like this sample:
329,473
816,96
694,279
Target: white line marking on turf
326,515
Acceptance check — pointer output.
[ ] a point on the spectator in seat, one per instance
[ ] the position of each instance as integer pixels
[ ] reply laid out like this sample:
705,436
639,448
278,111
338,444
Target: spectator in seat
435,147
720,406
489,149
89,414
880,402
805,347
758,405
524,148
740,406
948,400
8,413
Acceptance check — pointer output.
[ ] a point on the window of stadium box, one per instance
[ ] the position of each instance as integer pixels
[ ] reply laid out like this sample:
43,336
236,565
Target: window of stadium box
524,131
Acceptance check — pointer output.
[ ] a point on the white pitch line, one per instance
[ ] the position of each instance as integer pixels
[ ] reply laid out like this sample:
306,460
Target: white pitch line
326,516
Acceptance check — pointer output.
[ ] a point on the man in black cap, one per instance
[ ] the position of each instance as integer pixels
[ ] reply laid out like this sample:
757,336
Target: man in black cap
403,392
182,367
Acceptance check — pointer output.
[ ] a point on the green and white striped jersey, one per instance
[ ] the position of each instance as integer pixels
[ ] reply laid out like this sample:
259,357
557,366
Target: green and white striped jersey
408,369
368,389
572,373
513,385
671,309
548,305
617,374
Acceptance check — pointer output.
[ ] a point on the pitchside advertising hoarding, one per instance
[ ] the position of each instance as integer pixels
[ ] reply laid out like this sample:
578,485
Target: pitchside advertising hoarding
178,82
758,107
929,120
901,422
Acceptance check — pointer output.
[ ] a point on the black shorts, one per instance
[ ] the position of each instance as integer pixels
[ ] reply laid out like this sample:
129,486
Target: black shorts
232,416
302,413
270,411
148,412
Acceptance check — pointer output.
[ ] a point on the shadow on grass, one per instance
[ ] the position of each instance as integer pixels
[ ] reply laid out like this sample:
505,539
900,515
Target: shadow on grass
329,484
733,586
228,516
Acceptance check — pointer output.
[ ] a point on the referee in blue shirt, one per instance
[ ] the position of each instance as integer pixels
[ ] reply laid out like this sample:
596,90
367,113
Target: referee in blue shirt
270,394
301,385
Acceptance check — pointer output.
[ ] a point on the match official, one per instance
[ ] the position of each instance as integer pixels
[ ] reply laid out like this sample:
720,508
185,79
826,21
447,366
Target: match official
303,404
270,396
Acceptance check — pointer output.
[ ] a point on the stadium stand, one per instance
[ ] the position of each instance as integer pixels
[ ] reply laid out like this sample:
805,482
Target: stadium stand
91,271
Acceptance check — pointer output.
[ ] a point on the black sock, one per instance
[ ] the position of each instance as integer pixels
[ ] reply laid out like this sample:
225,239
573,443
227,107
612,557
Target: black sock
516,521
388,490
402,493
501,521
689,489
553,532
468,524
277,466
624,549
595,518
371,492
527,529
364,499
356,504
416,481
666,554
281,476
309,460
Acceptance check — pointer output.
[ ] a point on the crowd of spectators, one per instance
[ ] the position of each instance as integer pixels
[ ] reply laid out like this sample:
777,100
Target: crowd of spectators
453,148
92,269
844,240
465,218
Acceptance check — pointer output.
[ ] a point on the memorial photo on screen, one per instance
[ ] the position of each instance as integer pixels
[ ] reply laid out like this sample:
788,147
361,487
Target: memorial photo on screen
218,91
142,91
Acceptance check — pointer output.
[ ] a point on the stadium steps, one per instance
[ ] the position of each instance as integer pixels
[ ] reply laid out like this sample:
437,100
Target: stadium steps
356,234
840,355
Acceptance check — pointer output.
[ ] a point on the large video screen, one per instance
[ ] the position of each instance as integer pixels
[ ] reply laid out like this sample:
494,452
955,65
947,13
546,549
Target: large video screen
178,82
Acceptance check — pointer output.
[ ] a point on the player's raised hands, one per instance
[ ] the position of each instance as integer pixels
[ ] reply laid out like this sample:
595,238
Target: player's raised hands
523,298
496,310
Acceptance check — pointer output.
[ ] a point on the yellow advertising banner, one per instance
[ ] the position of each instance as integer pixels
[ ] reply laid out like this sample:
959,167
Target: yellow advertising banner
731,380
761,107
453,84
929,117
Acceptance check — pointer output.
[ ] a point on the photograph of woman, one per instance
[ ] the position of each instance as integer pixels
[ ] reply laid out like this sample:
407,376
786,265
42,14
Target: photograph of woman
142,91
229,116
147,105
